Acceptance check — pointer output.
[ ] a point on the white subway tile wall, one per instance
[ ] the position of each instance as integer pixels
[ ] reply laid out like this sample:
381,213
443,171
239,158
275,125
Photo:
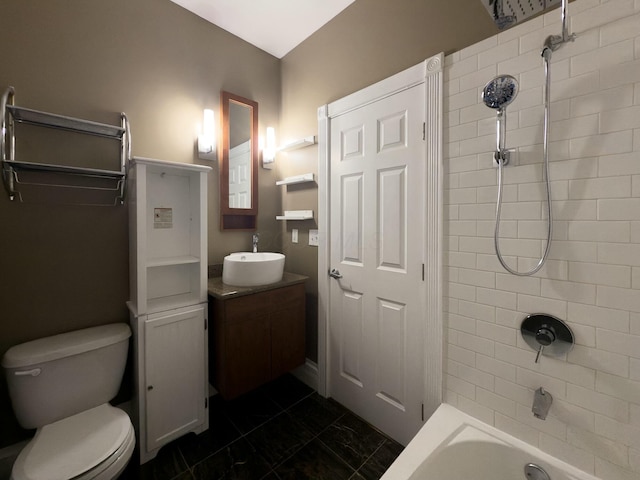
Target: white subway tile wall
592,277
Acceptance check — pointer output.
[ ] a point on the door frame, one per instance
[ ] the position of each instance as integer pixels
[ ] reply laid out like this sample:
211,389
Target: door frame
430,74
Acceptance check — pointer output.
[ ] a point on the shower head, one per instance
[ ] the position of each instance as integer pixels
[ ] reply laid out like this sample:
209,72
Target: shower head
506,13
500,92
499,17
504,21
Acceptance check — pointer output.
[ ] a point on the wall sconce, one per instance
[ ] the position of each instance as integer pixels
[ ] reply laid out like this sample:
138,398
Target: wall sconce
269,151
207,137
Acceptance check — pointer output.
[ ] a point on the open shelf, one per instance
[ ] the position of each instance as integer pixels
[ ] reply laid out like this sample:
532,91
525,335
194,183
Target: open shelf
304,178
296,144
296,215
56,182
46,167
52,120
162,304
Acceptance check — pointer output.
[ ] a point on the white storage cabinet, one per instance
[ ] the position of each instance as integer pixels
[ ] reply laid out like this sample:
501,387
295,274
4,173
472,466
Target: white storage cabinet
168,306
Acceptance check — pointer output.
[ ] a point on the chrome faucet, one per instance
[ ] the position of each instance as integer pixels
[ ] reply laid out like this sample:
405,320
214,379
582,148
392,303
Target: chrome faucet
541,403
255,239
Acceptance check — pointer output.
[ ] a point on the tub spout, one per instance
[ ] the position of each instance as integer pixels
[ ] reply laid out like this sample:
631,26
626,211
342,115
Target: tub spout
541,403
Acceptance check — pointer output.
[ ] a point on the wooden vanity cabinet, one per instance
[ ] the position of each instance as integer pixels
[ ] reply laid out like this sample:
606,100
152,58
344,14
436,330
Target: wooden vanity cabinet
256,338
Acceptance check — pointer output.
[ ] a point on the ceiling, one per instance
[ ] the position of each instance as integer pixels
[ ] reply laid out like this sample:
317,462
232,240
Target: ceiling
275,26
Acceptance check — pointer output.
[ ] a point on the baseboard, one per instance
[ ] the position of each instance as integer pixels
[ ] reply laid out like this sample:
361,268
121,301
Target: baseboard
308,373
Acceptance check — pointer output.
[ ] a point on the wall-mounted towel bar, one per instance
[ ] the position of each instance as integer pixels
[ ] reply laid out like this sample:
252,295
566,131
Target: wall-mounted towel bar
55,182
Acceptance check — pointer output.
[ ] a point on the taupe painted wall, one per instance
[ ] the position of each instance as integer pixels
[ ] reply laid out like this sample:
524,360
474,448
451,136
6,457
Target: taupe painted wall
64,267
367,42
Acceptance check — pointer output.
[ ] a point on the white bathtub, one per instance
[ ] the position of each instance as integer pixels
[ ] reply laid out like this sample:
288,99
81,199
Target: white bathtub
455,446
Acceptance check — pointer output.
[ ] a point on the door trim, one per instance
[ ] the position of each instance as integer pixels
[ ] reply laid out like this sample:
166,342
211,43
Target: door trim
429,73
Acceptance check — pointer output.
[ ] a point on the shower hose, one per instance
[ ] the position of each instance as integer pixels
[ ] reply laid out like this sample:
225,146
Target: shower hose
546,54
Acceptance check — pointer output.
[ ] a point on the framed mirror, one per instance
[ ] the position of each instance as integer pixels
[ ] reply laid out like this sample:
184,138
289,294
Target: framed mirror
238,163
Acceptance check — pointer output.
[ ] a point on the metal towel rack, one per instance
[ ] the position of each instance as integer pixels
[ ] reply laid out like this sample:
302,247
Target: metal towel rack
70,184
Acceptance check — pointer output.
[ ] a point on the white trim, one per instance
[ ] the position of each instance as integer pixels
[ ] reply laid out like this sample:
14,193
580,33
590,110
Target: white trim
308,373
323,249
433,234
385,88
430,74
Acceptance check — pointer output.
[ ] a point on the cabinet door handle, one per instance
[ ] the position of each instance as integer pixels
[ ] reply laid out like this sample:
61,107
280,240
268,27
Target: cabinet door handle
149,388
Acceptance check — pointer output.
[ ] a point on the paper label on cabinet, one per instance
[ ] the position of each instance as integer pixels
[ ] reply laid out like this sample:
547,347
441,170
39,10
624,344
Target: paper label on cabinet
163,218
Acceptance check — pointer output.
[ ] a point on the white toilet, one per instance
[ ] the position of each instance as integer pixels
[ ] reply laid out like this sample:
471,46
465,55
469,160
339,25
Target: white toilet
61,385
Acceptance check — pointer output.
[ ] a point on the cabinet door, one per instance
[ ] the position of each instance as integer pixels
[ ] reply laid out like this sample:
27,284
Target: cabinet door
248,361
175,373
287,330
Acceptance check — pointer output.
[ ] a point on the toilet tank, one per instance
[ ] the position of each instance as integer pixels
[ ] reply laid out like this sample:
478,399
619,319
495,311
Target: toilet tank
55,377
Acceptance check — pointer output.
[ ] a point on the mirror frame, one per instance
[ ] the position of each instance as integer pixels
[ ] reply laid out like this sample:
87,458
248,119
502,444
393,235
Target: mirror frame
237,218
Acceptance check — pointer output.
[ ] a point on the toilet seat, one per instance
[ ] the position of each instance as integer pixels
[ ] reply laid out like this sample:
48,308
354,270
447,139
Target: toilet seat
77,447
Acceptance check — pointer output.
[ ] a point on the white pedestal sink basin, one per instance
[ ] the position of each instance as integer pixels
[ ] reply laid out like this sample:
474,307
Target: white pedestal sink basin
247,269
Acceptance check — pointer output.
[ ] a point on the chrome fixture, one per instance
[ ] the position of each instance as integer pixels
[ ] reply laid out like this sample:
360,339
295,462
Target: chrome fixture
546,334
502,21
535,472
499,93
335,273
46,182
254,241
542,401
554,42
507,13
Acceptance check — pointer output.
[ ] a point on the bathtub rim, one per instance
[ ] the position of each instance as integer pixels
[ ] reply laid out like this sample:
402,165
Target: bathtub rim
445,422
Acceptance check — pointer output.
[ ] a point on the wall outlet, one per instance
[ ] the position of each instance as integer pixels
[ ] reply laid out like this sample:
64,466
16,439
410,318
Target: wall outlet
313,238
294,235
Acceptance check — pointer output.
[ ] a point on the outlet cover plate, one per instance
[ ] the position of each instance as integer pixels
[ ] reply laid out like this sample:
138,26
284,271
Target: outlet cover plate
313,238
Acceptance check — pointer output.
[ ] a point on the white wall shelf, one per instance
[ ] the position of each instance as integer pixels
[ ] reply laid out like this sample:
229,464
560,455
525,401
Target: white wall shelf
304,178
296,215
296,144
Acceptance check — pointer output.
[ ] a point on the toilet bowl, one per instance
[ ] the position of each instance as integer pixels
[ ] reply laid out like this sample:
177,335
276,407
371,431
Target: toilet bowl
96,444
61,385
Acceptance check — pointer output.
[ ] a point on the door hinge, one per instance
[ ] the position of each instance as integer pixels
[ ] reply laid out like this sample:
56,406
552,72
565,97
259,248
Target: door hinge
424,130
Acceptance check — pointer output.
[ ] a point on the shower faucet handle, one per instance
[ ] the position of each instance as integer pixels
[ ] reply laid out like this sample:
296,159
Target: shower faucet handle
547,335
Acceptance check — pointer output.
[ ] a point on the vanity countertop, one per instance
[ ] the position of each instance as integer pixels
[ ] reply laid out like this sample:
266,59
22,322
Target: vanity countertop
222,291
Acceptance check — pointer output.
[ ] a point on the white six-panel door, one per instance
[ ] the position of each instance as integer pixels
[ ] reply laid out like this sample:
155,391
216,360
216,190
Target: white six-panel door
240,176
376,310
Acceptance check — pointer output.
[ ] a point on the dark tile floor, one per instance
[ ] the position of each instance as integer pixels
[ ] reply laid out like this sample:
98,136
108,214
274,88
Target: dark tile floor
282,431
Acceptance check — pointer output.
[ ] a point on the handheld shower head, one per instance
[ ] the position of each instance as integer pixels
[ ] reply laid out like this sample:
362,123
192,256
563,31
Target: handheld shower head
500,92
497,94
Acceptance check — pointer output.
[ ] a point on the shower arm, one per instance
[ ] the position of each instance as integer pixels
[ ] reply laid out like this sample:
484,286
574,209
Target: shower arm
565,29
554,42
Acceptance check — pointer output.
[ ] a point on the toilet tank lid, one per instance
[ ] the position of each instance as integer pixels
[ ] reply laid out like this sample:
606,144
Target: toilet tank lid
64,345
